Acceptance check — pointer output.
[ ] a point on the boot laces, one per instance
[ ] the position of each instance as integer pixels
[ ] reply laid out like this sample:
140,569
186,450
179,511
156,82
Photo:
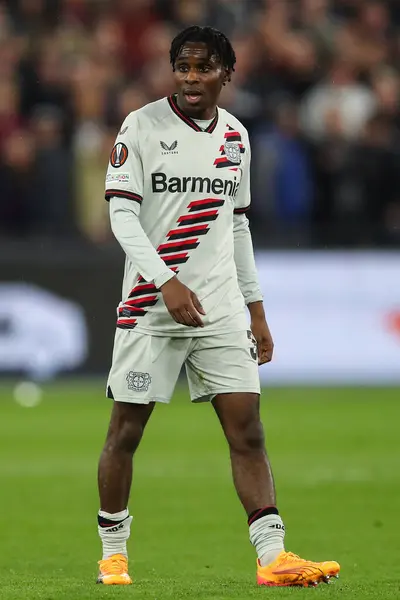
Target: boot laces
113,565
290,557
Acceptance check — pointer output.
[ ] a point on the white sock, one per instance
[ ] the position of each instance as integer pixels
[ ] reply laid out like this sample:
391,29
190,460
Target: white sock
267,535
114,537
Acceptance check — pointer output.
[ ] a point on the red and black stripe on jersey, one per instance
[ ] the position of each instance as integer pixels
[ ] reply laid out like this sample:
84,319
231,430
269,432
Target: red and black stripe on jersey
140,302
176,259
233,136
131,309
240,211
141,290
205,204
223,162
207,215
177,246
185,232
123,194
126,323
174,251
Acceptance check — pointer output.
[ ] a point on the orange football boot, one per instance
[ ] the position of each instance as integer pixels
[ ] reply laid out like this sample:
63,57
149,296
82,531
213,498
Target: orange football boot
114,571
288,569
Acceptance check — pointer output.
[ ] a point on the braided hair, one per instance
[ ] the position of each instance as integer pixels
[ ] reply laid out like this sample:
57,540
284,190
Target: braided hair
216,42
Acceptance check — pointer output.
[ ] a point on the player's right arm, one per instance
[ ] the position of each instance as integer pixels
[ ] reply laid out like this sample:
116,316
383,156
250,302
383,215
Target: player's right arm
124,190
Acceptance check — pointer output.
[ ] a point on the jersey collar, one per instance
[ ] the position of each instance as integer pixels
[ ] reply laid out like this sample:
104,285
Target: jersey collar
175,109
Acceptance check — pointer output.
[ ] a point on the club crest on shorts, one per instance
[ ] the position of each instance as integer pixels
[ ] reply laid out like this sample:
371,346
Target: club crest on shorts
232,151
138,382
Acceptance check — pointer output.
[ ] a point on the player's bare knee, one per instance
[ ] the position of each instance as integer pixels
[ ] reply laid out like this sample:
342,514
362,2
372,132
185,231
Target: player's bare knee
128,435
239,415
127,426
248,438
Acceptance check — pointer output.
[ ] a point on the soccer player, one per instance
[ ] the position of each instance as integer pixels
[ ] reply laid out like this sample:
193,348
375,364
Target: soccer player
178,184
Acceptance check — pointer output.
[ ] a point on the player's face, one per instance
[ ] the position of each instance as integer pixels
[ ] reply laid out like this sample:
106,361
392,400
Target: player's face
199,80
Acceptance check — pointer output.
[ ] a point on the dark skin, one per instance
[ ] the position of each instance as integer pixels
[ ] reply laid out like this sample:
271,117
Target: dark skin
199,80
197,73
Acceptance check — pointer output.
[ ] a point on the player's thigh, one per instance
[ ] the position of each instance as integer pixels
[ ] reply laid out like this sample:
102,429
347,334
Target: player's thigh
145,368
221,364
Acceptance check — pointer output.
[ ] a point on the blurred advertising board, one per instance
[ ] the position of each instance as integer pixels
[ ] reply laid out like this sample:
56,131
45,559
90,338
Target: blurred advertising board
41,334
334,316
58,309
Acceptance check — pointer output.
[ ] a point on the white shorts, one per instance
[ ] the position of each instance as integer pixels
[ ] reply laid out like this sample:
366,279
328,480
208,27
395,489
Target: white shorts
146,368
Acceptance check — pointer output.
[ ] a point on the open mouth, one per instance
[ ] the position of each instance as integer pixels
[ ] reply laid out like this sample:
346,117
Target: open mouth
192,97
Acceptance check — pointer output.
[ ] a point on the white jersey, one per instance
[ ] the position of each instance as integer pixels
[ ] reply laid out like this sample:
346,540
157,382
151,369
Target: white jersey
188,184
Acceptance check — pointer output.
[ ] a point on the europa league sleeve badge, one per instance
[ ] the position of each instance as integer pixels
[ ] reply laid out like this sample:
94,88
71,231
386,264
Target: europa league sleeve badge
118,156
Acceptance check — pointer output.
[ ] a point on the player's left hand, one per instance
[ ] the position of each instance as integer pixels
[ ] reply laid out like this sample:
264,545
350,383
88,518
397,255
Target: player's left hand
265,345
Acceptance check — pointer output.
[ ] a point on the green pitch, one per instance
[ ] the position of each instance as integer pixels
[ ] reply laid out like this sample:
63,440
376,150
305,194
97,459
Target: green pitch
336,459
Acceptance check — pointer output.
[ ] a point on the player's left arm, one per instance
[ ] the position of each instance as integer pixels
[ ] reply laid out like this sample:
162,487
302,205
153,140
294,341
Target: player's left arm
246,267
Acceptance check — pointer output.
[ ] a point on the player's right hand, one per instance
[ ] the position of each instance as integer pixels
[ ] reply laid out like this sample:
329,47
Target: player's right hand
183,305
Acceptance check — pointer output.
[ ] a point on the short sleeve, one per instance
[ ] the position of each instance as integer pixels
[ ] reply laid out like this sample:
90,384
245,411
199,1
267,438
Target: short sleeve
243,196
124,178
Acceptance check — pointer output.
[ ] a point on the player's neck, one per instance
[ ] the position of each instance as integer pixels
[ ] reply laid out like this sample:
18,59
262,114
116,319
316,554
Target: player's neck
205,115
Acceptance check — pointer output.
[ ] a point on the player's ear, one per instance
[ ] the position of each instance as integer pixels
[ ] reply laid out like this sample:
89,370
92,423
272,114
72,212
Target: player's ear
227,76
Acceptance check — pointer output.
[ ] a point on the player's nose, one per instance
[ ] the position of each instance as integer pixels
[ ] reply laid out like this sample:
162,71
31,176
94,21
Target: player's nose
192,76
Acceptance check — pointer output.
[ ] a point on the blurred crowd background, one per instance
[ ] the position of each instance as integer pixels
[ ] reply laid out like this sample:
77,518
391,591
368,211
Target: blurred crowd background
317,84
